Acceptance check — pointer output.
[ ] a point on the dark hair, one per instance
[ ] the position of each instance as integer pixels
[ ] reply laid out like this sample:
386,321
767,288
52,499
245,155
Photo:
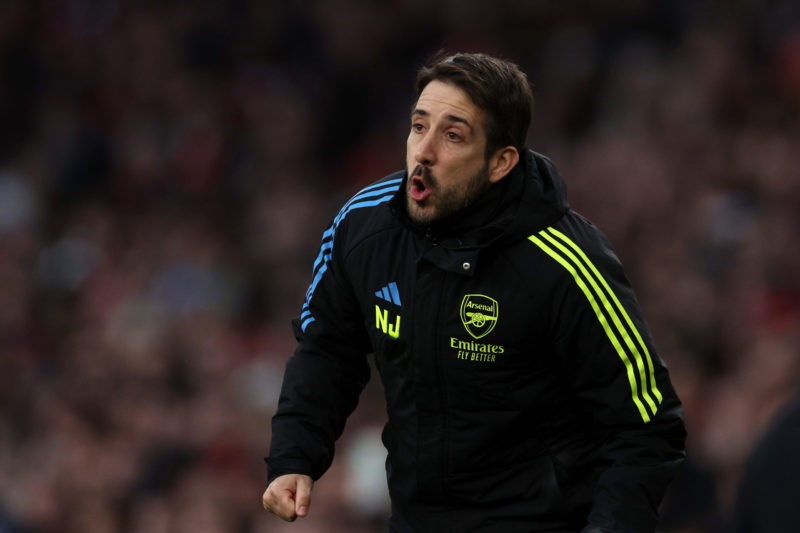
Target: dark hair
497,86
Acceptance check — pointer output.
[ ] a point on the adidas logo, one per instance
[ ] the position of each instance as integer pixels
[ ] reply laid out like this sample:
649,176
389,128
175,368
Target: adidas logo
389,293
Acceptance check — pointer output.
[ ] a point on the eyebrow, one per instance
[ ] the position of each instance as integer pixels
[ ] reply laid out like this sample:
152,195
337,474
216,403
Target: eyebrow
451,118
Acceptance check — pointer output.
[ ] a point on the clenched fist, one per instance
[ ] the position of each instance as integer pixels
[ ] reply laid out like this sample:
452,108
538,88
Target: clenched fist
288,496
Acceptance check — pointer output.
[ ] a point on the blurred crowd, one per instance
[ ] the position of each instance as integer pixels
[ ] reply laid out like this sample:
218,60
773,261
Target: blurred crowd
167,168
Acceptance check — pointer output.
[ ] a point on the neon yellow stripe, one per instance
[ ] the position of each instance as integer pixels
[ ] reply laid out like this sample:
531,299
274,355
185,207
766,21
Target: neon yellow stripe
622,311
602,319
614,317
620,330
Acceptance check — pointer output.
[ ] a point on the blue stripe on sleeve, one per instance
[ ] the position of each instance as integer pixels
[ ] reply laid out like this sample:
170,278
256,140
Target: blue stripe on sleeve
371,196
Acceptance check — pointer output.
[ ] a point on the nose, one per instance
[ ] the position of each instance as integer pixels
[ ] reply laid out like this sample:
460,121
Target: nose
424,152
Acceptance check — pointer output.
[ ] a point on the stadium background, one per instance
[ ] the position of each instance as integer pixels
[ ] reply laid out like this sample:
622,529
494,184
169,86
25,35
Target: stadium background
166,169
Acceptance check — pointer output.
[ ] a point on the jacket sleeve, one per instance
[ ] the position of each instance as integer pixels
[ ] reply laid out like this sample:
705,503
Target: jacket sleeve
326,374
617,380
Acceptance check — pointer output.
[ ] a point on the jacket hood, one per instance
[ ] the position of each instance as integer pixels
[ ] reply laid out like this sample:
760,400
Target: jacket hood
544,198
532,197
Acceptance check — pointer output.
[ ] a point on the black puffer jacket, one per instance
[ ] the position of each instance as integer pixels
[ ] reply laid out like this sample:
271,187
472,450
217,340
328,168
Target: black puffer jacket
523,388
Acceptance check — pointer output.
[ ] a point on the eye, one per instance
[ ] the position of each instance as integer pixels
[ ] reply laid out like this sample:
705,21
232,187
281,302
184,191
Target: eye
416,126
453,136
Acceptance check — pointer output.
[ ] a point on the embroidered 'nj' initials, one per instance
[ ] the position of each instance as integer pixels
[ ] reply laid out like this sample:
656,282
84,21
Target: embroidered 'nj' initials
382,323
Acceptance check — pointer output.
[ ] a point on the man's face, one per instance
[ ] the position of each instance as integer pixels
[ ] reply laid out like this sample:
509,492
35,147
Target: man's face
445,153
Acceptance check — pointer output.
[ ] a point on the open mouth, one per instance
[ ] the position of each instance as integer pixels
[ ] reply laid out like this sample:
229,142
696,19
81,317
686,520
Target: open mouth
419,189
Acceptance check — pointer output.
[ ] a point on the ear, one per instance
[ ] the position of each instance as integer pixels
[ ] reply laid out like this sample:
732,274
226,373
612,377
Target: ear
501,163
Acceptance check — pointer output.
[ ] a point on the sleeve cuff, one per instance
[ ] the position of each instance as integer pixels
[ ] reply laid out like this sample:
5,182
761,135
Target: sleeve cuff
286,465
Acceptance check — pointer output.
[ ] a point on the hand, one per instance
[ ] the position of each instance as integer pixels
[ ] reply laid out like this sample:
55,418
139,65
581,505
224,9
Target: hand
288,496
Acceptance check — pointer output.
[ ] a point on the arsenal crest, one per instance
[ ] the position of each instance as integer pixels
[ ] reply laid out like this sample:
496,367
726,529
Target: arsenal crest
478,314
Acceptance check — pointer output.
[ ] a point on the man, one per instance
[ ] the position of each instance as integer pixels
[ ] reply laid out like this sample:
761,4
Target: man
522,386
768,492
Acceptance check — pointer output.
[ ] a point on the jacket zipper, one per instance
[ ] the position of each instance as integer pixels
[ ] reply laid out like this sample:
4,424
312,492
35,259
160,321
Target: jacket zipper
440,379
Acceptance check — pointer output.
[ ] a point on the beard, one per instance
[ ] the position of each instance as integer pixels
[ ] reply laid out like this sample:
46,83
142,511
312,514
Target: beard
444,200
